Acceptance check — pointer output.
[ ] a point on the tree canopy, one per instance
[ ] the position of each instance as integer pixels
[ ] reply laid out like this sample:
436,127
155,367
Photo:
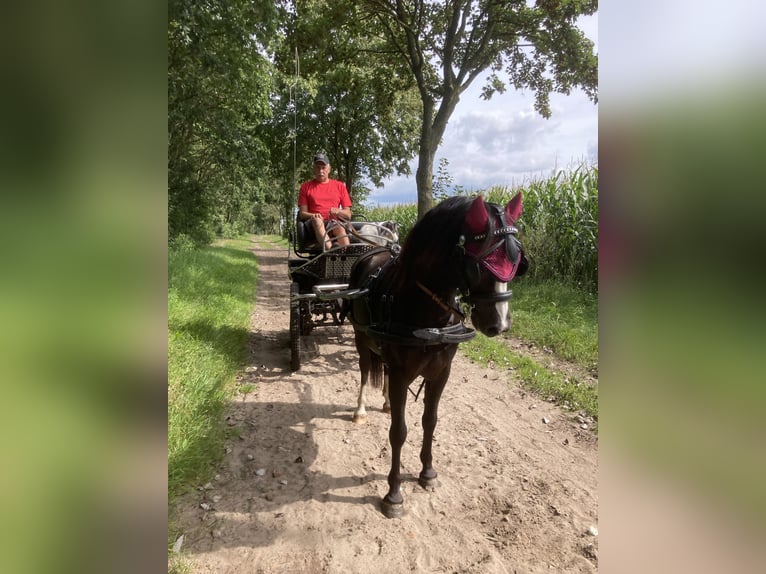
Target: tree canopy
448,45
218,87
255,88
352,99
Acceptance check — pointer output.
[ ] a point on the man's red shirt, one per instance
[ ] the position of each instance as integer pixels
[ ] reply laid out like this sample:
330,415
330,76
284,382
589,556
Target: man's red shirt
321,197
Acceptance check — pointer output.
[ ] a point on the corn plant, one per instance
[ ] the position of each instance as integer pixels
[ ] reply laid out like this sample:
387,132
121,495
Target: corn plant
405,214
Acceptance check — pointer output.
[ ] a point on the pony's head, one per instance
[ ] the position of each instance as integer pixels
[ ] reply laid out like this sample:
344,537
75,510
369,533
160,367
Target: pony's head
491,257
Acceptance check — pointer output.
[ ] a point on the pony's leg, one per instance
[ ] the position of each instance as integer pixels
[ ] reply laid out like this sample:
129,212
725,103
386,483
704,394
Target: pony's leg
360,414
386,402
431,400
397,434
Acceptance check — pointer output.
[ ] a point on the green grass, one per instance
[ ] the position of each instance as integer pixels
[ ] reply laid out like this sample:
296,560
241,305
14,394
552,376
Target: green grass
557,317
210,297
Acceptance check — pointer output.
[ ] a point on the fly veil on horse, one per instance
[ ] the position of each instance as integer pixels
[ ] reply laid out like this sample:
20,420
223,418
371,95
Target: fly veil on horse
407,317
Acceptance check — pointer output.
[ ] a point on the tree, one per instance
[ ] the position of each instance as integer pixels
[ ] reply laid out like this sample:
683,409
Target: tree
447,45
355,99
218,85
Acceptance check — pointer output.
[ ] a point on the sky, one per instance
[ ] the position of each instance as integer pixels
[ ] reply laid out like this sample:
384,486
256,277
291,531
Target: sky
504,141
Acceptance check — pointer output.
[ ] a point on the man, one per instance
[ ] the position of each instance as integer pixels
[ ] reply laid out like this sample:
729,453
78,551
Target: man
322,200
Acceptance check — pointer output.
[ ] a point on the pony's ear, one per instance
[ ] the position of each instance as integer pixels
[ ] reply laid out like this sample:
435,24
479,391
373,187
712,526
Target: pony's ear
477,219
513,208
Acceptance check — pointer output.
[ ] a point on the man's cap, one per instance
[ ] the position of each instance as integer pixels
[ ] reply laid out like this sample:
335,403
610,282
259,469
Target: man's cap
321,157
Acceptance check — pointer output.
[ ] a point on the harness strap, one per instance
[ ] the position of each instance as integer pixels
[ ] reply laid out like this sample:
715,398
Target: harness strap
491,297
420,388
507,230
436,299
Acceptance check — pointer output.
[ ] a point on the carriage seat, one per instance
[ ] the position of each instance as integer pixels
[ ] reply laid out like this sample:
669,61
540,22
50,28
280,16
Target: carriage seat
305,240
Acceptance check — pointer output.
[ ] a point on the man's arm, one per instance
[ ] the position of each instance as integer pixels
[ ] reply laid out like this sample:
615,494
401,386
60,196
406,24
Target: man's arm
304,212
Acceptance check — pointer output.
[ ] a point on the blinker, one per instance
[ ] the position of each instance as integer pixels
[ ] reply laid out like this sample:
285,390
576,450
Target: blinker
483,247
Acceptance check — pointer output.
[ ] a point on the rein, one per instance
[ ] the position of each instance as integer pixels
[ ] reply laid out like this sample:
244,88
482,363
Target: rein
436,299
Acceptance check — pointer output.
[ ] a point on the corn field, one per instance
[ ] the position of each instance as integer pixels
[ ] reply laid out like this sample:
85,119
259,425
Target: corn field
558,227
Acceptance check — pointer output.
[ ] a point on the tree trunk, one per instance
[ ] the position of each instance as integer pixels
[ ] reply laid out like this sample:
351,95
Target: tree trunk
349,175
424,177
430,138
426,153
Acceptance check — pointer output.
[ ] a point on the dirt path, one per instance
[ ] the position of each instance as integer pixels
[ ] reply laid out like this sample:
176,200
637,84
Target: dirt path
300,485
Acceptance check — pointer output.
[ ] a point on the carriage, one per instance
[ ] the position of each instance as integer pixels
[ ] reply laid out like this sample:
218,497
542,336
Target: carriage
319,276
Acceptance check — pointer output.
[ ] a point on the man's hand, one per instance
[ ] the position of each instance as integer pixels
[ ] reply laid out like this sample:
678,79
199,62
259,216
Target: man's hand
337,213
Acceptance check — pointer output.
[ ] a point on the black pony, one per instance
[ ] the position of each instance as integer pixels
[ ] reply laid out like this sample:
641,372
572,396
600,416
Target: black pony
407,317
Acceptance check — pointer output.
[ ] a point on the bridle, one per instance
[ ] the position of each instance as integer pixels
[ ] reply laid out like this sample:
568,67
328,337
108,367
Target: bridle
492,239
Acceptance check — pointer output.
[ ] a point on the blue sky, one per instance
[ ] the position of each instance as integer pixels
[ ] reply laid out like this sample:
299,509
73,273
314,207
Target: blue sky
503,141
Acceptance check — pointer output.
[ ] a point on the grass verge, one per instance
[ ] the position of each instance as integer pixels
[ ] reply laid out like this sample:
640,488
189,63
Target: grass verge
210,297
557,316
566,391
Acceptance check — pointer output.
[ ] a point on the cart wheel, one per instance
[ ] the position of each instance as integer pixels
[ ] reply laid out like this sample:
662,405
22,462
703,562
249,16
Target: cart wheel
295,328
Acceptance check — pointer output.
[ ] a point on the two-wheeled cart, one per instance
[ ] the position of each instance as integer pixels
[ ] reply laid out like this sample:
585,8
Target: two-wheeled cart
319,276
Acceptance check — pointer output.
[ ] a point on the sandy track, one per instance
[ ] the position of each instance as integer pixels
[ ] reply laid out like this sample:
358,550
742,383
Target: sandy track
300,486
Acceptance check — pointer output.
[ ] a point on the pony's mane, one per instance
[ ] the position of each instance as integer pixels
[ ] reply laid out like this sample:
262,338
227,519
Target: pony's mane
432,240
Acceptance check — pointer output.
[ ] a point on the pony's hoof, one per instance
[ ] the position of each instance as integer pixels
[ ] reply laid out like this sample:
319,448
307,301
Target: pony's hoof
359,419
391,510
428,483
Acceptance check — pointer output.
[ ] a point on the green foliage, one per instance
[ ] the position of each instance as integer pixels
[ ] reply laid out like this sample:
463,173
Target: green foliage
562,219
182,243
405,214
210,296
443,182
218,82
352,99
558,226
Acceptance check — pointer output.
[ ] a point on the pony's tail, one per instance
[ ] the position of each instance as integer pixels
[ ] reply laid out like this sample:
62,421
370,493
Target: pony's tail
376,371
